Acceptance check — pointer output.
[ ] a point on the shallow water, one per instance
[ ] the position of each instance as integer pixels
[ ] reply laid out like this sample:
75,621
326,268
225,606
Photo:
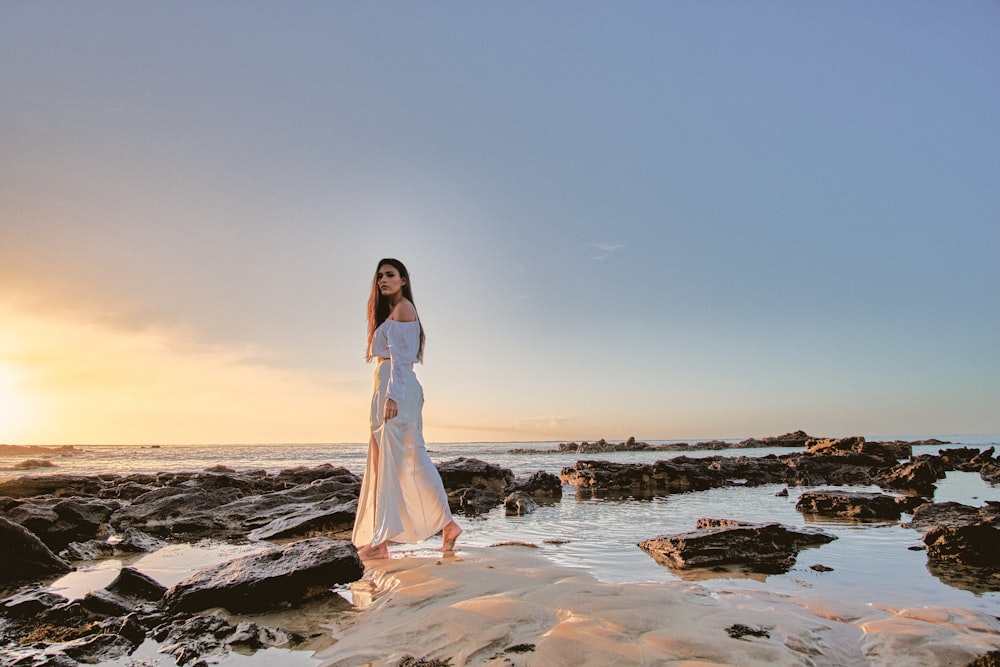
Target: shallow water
871,562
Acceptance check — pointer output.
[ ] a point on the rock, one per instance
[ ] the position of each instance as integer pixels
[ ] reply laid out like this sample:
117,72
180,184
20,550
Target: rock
677,475
768,548
107,603
279,578
540,484
99,648
990,659
889,453
57,522
474,501
24,556
990,472
54,485
965,459
324,517
171,511
191,639
793,439
977,545
519,503
853,504
28,605
918,475
134,585
463,473
953,515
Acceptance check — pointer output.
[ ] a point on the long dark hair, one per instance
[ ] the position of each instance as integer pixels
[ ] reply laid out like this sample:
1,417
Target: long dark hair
378,308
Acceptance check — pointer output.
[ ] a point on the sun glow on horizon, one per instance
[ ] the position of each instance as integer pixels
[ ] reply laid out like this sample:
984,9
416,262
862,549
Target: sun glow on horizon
14,406
119,384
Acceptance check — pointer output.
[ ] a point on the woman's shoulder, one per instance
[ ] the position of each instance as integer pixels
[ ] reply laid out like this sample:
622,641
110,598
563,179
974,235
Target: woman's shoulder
403,312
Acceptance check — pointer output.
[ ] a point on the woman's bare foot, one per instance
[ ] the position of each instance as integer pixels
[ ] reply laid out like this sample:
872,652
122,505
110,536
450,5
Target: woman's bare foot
449,534
376,552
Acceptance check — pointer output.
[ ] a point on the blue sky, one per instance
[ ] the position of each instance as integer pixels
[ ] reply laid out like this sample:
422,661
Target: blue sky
667,220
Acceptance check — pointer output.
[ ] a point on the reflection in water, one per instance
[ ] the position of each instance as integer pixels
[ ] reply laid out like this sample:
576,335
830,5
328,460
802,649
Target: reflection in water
966,577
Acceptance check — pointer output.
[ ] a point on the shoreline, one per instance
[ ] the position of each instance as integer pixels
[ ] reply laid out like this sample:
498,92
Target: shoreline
510,606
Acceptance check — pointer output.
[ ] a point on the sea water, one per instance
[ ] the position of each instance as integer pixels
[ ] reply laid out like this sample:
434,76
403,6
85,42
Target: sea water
872,562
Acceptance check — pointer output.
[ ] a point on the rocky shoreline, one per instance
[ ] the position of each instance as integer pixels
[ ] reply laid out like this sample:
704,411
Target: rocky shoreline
301,518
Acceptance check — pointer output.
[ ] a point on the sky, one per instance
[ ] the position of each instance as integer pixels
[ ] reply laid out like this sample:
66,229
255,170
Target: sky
667,220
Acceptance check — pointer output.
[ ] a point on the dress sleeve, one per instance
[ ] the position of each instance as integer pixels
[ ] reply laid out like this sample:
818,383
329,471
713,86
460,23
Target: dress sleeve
404,343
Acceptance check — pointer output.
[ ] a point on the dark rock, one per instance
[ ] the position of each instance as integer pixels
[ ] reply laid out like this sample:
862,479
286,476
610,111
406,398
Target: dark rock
889,453
134,585
952,514
89,550
463,473
965,459
473,501
306,475
991,659
189,639
782,494
739,631
677,475
107,603
990,472
919,475
768,548
540,484
329,516
793,439
24,556
977,545
820,568
853,504
279,578
54,485
174,512
30,604
519,503
57,522
99,648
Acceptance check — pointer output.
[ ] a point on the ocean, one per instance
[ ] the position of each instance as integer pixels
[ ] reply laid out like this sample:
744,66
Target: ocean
872,562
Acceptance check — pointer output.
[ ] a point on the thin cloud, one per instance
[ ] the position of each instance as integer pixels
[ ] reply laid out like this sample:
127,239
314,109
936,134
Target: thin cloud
606,249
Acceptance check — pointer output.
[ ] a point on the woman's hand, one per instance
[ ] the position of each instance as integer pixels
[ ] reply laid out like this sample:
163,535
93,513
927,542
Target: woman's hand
391,409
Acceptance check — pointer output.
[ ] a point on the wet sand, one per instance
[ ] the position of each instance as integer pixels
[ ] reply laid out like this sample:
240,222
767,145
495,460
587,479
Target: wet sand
510,606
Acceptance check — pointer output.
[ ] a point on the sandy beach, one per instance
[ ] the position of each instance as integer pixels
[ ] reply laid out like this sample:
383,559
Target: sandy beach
508,605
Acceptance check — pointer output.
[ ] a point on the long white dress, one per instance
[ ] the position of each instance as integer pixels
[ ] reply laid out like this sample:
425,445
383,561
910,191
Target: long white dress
404,500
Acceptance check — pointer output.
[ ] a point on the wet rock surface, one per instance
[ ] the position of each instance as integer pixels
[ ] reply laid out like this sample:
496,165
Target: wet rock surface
281,577
851,504
759,547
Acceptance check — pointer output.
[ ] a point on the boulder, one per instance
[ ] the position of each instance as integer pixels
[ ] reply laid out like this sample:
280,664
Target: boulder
851,504
29,604
977,545
134,585
768,548
464,473
57,522
519,503
279,578
24,556
952,514
919,475
190,639
473,501
540,484
793,439
328,516
53,485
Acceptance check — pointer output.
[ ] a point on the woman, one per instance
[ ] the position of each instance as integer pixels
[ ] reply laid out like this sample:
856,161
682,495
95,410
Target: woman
402,497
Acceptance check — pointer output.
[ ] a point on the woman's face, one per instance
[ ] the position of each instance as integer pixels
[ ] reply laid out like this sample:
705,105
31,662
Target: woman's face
390,283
